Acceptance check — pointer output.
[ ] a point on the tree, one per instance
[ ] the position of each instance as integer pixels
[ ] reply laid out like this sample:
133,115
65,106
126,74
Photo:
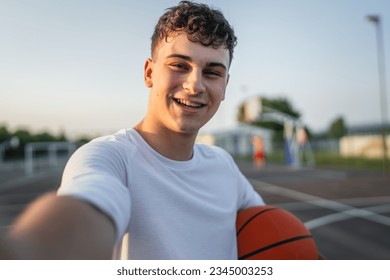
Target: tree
24,136
337,128
279,104
4,133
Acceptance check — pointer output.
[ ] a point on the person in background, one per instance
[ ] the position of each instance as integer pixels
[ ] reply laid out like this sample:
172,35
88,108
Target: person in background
258,151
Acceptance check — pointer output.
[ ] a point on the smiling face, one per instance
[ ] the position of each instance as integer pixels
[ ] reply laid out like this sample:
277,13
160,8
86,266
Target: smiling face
187,82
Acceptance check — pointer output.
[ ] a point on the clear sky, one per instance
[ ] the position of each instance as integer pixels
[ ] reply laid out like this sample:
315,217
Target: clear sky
77,65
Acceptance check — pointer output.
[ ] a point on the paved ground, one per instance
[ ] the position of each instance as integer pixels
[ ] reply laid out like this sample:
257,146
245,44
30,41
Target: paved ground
348,212
17,190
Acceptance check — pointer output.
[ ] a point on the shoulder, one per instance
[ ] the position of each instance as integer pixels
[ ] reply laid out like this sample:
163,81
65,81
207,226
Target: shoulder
115,147
118,141
120,137
110,154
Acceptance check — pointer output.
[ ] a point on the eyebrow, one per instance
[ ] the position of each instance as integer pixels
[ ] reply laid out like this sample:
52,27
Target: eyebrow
187,58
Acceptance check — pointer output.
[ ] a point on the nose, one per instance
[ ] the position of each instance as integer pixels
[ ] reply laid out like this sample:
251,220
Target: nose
194,82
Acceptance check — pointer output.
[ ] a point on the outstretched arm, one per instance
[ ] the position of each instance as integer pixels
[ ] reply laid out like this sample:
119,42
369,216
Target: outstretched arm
60,227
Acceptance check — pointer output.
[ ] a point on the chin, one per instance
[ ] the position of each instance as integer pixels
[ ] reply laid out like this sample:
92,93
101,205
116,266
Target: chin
188,130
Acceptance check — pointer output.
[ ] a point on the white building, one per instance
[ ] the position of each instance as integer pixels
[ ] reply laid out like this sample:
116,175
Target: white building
364,141
237,140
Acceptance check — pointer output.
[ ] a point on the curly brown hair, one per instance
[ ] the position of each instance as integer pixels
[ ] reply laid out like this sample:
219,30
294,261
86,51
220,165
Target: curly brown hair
201,23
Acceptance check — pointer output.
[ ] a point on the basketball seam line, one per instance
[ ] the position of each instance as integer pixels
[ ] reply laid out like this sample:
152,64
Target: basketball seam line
254,216
274,245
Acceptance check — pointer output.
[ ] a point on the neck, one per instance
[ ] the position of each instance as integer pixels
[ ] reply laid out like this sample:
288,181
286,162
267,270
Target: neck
170,144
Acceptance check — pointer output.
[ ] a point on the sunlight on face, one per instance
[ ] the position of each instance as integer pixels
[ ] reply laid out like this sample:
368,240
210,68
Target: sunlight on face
187,82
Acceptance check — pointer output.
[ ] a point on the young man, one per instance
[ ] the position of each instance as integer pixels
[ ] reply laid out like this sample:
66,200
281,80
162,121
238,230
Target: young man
149,192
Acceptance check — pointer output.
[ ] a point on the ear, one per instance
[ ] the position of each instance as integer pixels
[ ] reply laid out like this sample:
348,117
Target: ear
148,70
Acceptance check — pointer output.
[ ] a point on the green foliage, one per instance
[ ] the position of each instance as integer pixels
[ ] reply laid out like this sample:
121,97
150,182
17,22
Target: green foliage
25,136
333,160
324,159
337,128
83,139
4,133
279,104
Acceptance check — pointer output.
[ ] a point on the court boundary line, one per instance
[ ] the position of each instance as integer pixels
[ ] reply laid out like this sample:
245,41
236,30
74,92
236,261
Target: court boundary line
353,201
352,212
345,215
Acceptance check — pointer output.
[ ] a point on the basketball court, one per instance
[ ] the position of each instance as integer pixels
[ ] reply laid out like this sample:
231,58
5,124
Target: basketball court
347,211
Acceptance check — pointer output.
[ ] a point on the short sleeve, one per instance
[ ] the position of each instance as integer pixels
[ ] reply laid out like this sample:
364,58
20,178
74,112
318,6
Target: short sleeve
97,174
247,195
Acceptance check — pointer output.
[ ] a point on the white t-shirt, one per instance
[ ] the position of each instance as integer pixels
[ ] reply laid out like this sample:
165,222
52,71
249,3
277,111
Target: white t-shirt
165,209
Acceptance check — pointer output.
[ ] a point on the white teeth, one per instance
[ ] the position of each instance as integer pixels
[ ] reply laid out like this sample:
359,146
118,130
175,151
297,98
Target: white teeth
188,103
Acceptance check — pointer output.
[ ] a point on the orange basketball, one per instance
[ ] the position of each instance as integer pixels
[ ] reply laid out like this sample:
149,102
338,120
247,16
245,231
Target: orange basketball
271,233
